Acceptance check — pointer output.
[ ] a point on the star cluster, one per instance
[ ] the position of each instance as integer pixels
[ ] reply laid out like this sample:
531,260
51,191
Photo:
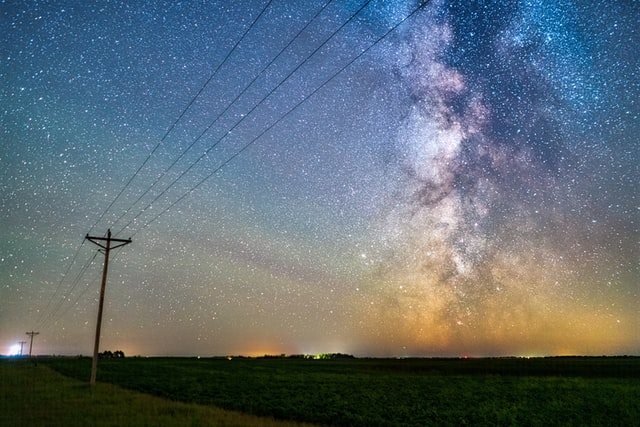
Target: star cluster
296,180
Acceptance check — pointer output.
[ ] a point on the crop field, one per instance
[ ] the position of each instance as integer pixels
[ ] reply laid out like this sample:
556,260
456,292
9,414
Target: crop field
573,391
35,395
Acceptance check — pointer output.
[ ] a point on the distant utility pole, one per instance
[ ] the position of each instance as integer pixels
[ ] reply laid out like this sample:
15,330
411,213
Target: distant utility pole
22,343
107,248
31,334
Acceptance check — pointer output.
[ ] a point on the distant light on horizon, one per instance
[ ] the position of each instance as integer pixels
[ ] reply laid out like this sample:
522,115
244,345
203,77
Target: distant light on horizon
14,350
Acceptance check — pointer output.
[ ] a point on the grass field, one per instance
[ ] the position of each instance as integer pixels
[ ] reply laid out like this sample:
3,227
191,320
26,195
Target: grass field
388,392
39,396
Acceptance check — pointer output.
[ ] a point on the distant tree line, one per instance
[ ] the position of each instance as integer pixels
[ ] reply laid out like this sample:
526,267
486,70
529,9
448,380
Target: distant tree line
107,354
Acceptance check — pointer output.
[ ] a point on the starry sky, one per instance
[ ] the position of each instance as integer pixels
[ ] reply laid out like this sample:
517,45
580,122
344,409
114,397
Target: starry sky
378,178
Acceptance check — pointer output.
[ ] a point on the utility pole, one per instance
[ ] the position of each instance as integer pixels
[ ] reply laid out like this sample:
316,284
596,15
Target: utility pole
31,334
104,243
22,343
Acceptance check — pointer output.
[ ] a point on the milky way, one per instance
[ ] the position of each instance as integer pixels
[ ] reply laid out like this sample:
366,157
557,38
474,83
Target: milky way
466,185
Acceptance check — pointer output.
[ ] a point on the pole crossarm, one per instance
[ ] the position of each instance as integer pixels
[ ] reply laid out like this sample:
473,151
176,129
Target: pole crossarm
96,240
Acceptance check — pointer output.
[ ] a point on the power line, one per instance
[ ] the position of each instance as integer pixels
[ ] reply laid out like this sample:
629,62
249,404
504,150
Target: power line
238,96
50,316
44,315
77,298
73,259
76,281
292,109
74,302
215,72
245,116
41,318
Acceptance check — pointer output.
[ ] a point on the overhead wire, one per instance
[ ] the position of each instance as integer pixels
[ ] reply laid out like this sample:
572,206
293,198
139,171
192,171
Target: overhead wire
56,314
223,112
45,317
84,291
59,286
246,115
184,111
42,315
45,314
282,117
59,304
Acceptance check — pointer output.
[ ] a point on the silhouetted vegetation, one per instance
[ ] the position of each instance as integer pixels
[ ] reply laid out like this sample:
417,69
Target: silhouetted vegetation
107,354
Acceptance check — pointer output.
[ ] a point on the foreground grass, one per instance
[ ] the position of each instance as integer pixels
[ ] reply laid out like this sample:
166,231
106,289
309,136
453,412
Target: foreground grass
38,396
360,392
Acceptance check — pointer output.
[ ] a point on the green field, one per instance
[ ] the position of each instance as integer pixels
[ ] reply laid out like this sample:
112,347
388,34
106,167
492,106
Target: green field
390,392
33,395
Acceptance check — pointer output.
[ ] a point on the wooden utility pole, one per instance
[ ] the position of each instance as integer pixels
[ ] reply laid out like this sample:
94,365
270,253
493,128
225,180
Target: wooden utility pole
107,248
22,343
31,334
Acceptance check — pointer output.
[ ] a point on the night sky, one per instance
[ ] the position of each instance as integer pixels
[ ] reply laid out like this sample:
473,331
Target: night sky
378,178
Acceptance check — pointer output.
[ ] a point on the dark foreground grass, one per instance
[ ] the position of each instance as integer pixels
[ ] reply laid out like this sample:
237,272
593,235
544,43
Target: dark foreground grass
38,396
376,392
